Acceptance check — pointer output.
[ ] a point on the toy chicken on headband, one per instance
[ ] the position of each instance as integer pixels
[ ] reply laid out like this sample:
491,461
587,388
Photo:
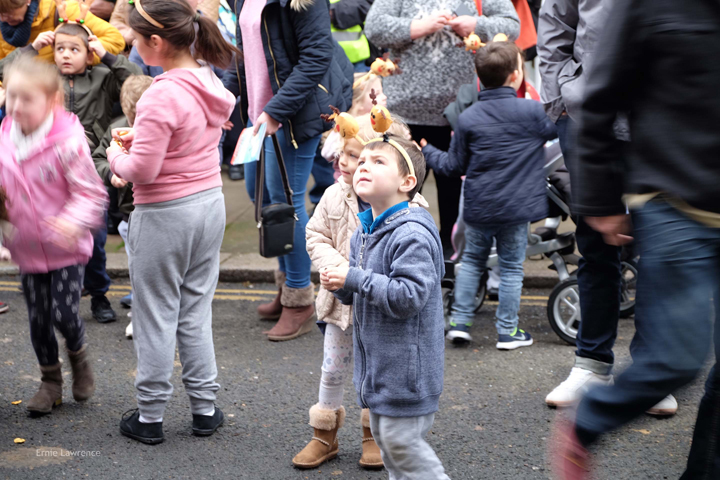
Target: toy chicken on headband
472,42
80,20
381,67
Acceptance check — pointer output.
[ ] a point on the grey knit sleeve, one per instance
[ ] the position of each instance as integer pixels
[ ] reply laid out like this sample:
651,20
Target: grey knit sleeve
499,16
385,27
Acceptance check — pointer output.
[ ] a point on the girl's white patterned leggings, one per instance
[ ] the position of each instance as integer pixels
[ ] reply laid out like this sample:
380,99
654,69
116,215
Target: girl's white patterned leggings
337,365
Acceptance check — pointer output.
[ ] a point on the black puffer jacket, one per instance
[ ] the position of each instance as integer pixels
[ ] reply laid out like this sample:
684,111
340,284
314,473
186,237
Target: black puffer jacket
308,70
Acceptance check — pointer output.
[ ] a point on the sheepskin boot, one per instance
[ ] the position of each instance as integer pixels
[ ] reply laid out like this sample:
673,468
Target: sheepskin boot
50,392
298,314
324,444
371,458
83,385
273,310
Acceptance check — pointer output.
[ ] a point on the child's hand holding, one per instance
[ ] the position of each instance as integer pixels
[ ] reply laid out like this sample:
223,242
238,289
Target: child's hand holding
43,40
68,233
117,182
96,46
113,149
333,278
5,254
125,136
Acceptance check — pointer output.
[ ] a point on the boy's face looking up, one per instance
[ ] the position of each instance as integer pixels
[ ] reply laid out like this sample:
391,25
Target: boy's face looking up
378,180
71,55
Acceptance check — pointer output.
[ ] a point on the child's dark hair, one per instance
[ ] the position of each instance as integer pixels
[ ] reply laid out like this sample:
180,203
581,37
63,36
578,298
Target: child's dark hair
416,157
74,30
495,62
178,20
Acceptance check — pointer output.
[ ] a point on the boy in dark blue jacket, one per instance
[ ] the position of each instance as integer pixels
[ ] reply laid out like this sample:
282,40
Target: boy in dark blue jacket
393,283
498,146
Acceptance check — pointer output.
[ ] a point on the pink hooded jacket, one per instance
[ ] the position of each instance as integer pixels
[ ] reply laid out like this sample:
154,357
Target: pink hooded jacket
58,179
177,131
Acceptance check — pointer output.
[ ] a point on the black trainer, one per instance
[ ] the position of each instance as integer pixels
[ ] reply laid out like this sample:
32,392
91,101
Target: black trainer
149,433
102,311
204,425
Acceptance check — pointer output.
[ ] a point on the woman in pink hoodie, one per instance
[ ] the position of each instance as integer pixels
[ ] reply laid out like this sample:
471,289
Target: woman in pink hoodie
178,223
54,198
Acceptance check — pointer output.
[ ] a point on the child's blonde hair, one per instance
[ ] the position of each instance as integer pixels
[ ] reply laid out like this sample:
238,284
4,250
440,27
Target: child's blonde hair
361,91
131,91
44,74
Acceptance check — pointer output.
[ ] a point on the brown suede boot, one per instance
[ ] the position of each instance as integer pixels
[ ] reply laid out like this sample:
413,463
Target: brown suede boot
324,444
298,314
83,385
50,393
371,458
273,310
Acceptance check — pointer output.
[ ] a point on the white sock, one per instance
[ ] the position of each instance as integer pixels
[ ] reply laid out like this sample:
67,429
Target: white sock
209,414
150,420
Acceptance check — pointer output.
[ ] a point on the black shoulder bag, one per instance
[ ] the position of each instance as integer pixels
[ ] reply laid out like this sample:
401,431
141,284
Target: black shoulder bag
275,222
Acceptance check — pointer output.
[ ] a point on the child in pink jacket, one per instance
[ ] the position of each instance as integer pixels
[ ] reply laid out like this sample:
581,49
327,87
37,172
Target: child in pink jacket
328,244
54,199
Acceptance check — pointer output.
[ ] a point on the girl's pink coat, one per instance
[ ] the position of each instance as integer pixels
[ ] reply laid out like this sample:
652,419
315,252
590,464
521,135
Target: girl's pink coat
58,179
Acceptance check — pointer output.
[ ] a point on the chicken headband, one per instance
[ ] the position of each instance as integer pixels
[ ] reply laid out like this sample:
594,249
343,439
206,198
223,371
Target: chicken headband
380,119
381,67
472,42
145,15
80,20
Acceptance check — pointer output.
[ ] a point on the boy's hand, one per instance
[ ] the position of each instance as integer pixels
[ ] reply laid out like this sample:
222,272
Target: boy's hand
67,232
43,40
333,278
5,254
227,125
125,136
117,182
96,47
423,143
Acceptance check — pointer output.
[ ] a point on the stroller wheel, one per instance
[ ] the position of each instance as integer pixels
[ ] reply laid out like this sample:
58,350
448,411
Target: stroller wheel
563,310
627,288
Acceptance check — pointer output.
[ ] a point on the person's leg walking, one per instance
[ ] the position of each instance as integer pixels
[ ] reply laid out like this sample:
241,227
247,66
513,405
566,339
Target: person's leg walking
96,281
478,243
297,298
677,278
406,454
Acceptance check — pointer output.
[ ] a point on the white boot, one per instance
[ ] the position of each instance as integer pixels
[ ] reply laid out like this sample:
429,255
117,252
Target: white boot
568,393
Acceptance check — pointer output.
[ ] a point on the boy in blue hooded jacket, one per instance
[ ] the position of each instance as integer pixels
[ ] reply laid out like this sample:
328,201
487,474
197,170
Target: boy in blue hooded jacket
393,282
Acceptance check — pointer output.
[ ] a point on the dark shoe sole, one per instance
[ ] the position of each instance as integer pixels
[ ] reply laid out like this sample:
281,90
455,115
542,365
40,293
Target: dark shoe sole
104,320
145,440
209,431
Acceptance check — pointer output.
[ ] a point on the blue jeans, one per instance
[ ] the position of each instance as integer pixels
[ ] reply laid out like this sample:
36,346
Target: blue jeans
679,273
96,280
511,245
298,163
324,175
599,279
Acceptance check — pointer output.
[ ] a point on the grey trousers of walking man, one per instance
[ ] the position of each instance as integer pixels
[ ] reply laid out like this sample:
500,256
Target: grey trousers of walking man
174,268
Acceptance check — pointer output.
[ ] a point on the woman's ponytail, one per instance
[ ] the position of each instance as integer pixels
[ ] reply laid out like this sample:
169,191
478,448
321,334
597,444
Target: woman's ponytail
174,21
211,46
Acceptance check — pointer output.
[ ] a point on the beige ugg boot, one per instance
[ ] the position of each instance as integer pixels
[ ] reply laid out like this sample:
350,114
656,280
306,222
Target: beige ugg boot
273,310
371,458
83,385
298,314
324,444
50,392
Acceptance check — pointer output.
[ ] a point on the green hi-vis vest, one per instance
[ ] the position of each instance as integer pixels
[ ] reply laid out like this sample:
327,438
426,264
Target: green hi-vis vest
353,41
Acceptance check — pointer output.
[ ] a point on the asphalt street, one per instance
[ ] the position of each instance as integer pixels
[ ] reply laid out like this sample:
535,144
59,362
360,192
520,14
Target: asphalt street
492,424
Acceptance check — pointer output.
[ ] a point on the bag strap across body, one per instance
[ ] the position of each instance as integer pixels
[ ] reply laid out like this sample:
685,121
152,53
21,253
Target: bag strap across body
260,179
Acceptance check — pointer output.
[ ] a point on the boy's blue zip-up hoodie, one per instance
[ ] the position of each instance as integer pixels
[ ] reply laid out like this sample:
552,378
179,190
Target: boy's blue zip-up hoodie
394,286
498,145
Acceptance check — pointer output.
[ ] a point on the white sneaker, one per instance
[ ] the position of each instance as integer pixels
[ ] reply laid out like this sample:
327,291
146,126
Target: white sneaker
568,393
667,407
128,330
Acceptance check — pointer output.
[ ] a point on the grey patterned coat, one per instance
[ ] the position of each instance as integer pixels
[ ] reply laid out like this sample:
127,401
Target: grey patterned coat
433,67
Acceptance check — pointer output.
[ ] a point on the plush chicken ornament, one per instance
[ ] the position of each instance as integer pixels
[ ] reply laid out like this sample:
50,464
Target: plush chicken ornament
345,124
80,20
380,117
472,42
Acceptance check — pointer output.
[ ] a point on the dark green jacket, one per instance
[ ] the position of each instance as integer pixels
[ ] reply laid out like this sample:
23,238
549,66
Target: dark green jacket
125,194
93,94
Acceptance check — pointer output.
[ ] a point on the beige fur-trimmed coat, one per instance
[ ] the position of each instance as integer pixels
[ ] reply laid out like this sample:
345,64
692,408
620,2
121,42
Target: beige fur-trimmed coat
328,236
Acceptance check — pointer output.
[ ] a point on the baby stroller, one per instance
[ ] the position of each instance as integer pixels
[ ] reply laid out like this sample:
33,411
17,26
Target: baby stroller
563,307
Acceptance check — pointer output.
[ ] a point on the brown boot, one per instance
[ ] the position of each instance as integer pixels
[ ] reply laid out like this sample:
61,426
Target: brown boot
298,314
273,310
50,393
324,444
371,458
83,385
